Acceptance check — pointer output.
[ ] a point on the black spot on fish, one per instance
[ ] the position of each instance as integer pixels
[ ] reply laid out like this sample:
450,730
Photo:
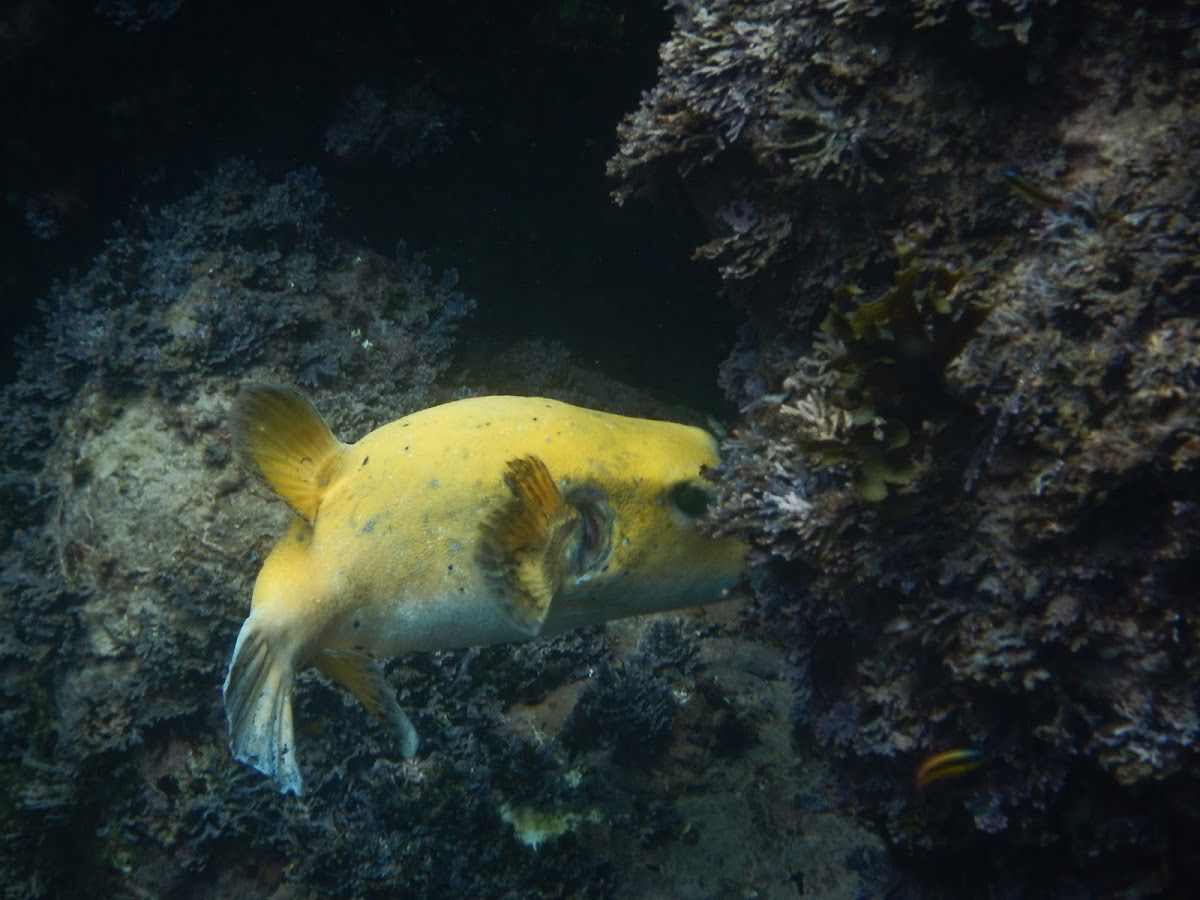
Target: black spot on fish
369,526
433,482
405,448
366,459
535,418
450,568
357,624
406,424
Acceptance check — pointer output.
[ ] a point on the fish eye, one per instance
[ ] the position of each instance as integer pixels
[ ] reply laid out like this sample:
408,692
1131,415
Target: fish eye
692,498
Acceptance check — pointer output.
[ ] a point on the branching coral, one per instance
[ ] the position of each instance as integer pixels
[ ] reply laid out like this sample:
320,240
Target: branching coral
752,83
865,406
789,120
630,709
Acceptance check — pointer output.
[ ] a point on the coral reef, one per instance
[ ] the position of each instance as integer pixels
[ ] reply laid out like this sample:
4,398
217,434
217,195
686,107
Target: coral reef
970,470
962,235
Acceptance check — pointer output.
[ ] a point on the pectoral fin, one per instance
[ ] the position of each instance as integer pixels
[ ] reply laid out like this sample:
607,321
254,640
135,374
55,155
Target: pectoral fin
524,546
363,677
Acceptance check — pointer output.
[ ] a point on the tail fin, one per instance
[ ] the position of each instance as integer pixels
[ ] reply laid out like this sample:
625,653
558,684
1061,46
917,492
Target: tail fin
283,440
258,708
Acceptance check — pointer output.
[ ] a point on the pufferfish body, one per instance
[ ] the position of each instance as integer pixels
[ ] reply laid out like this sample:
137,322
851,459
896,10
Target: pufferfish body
475,522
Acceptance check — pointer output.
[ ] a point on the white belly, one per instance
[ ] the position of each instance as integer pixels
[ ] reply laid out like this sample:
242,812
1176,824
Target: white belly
460,615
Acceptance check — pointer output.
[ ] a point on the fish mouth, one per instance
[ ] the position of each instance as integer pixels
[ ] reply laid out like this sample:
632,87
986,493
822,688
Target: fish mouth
592,544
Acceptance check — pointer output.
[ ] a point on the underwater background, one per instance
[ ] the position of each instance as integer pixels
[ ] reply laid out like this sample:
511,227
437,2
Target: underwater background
930,267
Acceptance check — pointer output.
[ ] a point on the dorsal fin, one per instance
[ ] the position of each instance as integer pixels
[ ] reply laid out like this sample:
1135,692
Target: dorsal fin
284,442
523,548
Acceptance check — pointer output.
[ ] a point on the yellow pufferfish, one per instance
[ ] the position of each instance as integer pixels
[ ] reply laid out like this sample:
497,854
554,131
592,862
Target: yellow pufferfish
475,522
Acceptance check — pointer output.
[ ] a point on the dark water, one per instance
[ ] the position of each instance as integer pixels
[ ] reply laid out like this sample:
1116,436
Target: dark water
498,172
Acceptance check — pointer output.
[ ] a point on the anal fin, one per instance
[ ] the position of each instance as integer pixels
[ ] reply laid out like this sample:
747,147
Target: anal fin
363,677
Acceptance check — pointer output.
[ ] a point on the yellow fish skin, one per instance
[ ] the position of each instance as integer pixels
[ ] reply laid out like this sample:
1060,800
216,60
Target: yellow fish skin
476,522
